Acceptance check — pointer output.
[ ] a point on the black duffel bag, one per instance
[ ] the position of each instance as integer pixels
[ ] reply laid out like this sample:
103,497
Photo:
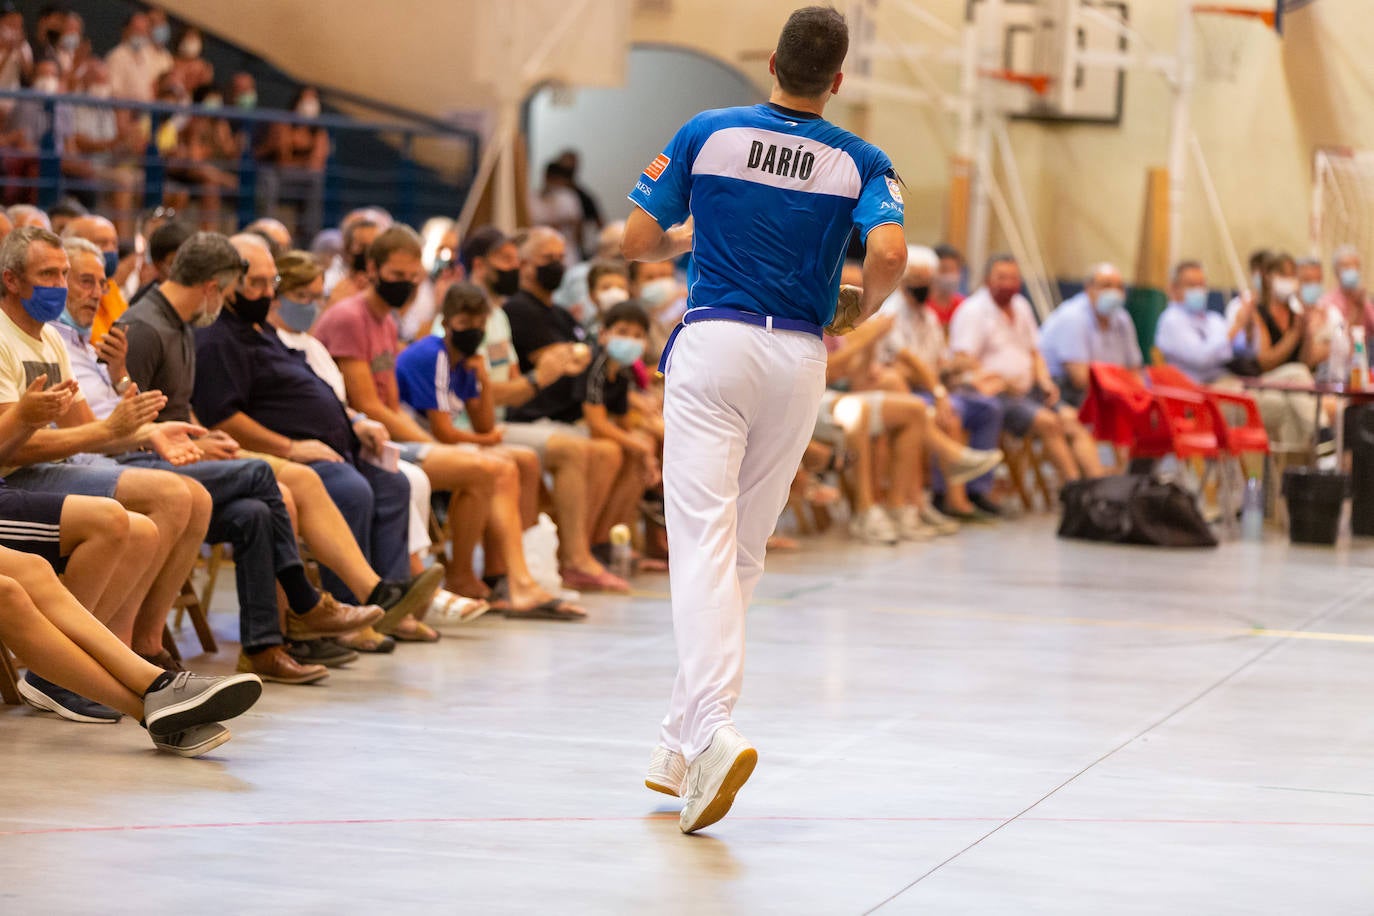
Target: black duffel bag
1133,509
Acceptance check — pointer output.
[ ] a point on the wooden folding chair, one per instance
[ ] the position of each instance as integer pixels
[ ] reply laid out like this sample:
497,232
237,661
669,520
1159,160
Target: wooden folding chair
1024,459
9,678
197,606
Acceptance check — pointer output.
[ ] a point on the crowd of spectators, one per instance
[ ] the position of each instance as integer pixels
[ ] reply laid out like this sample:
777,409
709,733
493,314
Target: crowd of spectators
103,150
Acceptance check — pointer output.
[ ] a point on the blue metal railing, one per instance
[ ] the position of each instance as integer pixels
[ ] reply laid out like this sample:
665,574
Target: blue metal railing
405,187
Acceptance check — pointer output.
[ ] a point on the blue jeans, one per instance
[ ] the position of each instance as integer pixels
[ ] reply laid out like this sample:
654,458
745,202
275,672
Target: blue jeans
376,505
247,512
981,418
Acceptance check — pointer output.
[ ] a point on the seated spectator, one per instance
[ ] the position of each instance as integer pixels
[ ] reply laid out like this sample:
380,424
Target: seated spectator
243,91
136,62
64,211
1191,337
159,28
23,131
204,156
360,230
293,158
608,285
1346,306
100,232
35,271
947,284
22,216
73,53
995,328
1248,297
360,333
193,70
557,206
52,19
163,244
251,386
62,644
604,391
914,348
1311,282
1091,327
248,509
583,470
274,231
568,161
16,56
300,295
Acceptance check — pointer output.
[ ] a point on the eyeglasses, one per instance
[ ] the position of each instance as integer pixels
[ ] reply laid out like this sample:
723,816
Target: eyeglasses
261,283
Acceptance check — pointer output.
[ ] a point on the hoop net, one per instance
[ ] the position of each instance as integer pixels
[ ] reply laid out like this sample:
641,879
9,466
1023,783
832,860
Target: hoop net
1224,33
1343,202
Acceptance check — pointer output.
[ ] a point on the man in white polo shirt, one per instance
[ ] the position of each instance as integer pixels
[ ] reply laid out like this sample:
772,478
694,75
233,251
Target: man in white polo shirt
995,329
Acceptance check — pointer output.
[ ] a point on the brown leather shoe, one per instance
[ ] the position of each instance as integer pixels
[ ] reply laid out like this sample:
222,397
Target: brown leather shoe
277,665
330,618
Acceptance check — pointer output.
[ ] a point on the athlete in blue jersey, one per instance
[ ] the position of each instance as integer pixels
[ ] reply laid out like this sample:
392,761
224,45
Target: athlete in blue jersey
765,198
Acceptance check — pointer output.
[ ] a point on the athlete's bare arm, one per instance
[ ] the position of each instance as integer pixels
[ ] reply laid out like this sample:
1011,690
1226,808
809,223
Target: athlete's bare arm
645,240
884,264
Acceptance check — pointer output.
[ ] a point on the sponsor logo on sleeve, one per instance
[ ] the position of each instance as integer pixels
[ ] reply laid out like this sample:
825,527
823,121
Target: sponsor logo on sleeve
656,168
895,190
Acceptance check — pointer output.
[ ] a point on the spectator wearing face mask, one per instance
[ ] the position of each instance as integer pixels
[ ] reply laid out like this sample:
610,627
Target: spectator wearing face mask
1091,327
101,232
136,62
73,51
190,67
1189,335
946,287
360,229
93,137
293,157
162,250
608,285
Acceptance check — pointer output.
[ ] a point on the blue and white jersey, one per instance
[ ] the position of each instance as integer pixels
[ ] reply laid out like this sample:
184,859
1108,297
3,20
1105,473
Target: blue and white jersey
775,194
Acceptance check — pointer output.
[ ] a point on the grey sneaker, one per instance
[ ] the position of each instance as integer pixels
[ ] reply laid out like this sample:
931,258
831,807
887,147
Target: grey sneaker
667,769
972,464
192,700
943,524
195,741
715,777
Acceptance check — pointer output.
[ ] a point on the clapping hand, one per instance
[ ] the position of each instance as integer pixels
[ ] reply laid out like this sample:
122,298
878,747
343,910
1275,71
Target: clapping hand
134,409
38,408
174,443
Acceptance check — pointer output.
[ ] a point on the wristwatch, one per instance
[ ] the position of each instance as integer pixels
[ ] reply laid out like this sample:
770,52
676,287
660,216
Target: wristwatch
533,378
123,384
940,392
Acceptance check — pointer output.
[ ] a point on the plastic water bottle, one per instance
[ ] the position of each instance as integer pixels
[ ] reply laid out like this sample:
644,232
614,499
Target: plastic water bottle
622,558
1359,361
1338,363
1252,511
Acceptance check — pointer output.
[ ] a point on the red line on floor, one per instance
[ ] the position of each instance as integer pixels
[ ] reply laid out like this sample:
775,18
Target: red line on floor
131,828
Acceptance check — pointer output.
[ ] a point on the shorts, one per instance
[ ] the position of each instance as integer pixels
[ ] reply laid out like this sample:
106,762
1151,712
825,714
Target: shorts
536,435
1019,411
32,523
415,452
96,476
874,400
272,461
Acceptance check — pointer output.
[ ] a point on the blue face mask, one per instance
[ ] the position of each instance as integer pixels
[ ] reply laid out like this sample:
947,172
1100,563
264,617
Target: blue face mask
298,316
624,350
162,33
1309,293
46,304
111,264
1350,278
1195,300
1256,281
1109,302
67,319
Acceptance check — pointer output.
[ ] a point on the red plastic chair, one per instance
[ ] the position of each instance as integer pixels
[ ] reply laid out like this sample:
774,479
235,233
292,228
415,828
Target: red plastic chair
1120,410
1245,438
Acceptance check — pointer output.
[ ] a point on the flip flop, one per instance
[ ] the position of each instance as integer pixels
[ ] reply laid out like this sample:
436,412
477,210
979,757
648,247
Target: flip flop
553,609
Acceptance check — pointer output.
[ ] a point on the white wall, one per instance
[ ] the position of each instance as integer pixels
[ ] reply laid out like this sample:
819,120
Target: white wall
619,131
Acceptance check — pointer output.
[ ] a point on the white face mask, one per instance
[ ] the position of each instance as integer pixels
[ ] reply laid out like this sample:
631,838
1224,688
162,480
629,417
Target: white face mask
190,47
657,292
609,298
46,84
308,108
1284,287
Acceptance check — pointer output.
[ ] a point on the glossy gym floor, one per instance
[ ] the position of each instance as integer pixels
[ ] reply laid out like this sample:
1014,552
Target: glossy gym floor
998,722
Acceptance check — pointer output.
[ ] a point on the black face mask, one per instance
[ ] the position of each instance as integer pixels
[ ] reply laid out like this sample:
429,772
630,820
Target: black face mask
254,311
360,261
54,36
507,282
549,276
919,293
466,342
394,293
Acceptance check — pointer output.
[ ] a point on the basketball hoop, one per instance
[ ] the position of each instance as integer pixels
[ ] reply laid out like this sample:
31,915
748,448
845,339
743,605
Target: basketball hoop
1039,83
1223,37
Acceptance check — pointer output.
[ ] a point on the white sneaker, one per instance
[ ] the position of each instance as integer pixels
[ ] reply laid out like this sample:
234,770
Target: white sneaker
972,464
943,524
667,769
873,527
715,777
911,527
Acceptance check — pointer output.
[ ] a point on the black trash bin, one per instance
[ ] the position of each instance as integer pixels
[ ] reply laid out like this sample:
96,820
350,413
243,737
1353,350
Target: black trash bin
1314,504
1359,438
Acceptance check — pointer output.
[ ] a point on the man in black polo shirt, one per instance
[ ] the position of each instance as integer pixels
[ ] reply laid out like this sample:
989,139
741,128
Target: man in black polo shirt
583,469
264,394
248,511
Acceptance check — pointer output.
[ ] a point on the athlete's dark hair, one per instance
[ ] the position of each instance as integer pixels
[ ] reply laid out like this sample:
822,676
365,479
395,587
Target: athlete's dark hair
811,50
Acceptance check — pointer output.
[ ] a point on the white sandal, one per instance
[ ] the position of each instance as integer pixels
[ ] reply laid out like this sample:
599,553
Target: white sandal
450,608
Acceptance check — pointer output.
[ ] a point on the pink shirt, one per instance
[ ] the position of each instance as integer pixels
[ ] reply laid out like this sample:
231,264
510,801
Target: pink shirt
350,330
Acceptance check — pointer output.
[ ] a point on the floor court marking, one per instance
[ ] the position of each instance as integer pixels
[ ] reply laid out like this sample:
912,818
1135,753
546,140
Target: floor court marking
671,816
1343,603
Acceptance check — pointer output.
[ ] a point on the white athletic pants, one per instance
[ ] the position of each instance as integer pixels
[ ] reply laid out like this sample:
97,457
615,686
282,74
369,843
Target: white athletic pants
739,408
